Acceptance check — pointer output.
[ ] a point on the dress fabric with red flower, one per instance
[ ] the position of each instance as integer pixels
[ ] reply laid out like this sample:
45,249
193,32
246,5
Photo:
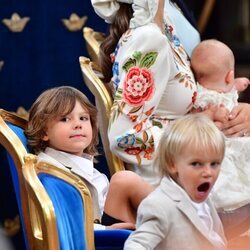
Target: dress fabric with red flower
138,86
154,85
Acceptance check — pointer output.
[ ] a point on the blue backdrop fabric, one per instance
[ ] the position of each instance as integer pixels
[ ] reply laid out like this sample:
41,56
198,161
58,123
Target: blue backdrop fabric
44,55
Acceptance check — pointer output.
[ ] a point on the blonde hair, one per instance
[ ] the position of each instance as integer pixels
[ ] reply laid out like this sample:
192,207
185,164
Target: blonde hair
194,131
52,103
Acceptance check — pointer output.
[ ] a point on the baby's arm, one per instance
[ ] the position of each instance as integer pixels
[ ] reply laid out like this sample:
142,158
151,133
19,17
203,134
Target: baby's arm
220,114
214,112
241,83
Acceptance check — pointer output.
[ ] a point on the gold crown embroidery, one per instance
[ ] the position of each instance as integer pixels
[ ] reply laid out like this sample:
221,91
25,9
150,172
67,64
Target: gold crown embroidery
74,23
16,23
1,64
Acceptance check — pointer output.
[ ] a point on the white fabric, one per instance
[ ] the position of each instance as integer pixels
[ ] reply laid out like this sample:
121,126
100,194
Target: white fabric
204,213
206,96
172,98
96,181
144,10
188,35
232,188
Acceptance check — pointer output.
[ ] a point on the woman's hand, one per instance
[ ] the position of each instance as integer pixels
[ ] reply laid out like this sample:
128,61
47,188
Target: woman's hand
239,121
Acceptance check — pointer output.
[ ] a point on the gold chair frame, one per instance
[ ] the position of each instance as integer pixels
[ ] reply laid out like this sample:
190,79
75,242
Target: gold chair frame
42,214
205,15
16,149
93,41
103,100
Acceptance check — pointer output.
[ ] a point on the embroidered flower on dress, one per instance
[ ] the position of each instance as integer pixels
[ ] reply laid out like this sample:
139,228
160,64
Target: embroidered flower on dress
133,151
126,141
138,86
176,41
115,78
194,97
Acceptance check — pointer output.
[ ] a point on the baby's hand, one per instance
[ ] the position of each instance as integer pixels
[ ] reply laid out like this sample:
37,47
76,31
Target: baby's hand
241,83
221,114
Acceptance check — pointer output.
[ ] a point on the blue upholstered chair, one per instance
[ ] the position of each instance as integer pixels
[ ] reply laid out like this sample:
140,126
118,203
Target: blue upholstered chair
61,207
111,239
43,212
13,140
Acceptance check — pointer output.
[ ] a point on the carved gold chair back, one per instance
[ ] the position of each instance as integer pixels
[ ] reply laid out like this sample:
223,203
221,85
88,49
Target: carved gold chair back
93,40
60,207
205,15
12,138
103,100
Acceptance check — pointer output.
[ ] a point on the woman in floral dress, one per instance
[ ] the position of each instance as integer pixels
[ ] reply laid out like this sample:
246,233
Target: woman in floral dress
152,80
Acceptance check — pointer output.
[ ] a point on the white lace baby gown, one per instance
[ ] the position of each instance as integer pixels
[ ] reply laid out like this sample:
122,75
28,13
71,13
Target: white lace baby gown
232,188
207,96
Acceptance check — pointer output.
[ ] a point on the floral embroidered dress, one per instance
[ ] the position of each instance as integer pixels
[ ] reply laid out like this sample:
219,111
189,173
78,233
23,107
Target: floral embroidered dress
154,85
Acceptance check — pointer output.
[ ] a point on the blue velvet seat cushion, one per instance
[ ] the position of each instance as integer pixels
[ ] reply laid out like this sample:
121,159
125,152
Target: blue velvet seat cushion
69,212
111,239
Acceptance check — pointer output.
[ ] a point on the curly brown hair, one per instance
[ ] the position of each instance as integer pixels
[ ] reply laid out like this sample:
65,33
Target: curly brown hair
116,29
52,103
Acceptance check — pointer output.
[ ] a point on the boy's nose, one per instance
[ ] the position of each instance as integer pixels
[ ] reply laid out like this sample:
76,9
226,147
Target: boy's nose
77,125
207,171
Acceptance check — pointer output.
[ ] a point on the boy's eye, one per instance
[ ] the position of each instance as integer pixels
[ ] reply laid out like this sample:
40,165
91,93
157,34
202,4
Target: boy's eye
84,118
65,119
196,164
215,164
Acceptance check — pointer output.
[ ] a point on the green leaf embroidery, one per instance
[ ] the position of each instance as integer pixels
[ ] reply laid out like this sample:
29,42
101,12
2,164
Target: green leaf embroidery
148,60
138,160
158,124
139,140
145,136
135,109
137,56
130,63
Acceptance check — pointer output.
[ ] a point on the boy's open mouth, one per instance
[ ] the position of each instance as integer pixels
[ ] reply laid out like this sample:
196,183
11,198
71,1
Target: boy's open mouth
204,187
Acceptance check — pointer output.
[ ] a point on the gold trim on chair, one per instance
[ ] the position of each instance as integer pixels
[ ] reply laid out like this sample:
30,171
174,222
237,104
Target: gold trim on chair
42,215
16,149
205,15
42,211
103,102
93,40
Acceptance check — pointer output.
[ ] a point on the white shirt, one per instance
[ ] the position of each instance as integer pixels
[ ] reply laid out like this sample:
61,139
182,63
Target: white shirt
204,213
83,167
98,179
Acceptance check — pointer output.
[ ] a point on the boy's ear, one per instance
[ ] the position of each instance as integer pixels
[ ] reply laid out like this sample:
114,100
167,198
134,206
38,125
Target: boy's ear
229,76
45,137
172,170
